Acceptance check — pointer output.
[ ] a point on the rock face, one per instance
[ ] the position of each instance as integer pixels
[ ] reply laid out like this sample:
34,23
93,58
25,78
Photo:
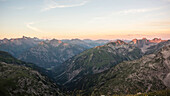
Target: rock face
156,40
144,43
50,53
95,60
156,48
147,74
18,80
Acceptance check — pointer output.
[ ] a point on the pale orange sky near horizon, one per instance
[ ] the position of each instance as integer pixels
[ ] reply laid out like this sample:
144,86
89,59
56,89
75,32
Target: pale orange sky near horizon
85,19
99,36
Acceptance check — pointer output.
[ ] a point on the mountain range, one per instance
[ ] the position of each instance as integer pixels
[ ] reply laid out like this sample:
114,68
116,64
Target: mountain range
51,53
46,53
18,45
101,58
84,67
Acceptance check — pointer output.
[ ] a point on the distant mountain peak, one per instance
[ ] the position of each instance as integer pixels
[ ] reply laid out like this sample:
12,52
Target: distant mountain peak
144,38
42,43
5,39
157,40
135,41
24,37
119,42
76,39
55,42
87,39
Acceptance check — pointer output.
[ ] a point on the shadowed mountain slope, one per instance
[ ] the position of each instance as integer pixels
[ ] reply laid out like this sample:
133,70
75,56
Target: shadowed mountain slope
18,80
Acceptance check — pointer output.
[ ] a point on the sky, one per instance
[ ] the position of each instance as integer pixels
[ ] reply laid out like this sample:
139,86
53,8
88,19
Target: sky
85,19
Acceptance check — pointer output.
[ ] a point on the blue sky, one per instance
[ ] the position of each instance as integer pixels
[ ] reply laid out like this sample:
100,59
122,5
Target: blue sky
93,19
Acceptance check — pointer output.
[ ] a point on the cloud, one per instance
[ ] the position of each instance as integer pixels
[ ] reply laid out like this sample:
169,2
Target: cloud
29,25
51,4
124,12
134,11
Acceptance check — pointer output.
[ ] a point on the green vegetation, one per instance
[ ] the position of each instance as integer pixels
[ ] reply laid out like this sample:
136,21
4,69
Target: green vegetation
5,57
19,79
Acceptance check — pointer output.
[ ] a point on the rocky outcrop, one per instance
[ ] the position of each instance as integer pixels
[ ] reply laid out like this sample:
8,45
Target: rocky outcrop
144,43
